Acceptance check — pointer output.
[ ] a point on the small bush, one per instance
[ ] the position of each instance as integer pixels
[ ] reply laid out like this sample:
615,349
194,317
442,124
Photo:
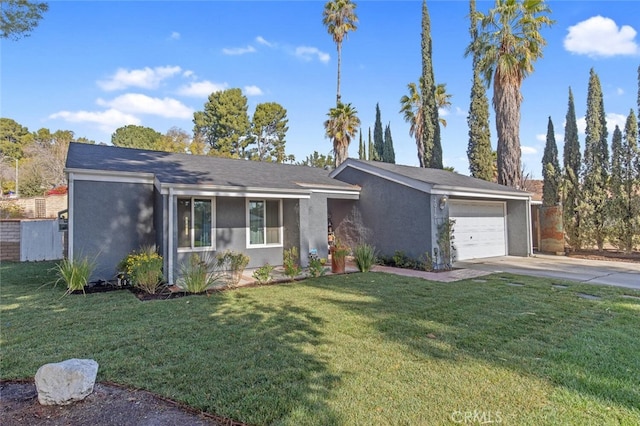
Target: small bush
426,263
316,266
199,274
143,268
75,274
263,274
400,259
291,263
234,263
365,257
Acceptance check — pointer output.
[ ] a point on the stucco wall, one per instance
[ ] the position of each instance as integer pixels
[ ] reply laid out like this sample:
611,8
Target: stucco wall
109,221
518,241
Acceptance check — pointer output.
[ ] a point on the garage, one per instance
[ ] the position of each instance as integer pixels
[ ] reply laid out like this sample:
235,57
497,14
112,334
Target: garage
480,228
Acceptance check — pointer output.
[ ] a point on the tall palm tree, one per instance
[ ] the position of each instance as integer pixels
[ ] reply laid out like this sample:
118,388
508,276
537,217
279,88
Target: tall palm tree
341,126
339,16
411,108
507,46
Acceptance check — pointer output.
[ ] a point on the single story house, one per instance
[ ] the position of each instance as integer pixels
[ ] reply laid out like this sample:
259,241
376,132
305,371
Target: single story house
121,199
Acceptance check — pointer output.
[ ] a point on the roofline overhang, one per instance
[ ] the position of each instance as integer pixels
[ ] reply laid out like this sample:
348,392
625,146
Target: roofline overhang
109,176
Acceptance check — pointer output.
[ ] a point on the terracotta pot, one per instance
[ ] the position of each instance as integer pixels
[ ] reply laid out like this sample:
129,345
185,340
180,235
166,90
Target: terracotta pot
338,261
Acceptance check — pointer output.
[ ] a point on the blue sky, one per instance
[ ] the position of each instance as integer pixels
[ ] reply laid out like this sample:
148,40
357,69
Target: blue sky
94,66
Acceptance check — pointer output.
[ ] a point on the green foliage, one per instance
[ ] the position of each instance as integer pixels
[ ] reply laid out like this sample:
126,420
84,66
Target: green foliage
446,246
426,262
140,137
378,136
234,262
224,123
572,161
550,169
318,160
13,138
341,127
430,122
268,133
74,274
371,148
291,263
364,256
11,210
199,274
316,266
479,150
20,17
339,16
388,153
362,149
143,268
263,274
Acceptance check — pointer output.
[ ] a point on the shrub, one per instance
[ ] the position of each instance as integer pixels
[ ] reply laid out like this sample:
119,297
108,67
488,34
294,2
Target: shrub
263,274
234,263
199,274
292,263
365,257
144,269
316,266
75,274
426,262
400,259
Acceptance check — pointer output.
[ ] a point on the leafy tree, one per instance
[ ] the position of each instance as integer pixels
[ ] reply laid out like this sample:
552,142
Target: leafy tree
224,123
341,127
572,161
551,171
339,16
19,17
268,132
596,167
388,153
378,136
430,121
625,186
443,100
13,138
318,160
198,145
175,140
362,150
411,109
479,150
507,47
140,137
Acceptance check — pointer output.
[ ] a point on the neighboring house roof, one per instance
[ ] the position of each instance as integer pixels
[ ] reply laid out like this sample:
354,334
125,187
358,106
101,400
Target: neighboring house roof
535,187
182,170
433,181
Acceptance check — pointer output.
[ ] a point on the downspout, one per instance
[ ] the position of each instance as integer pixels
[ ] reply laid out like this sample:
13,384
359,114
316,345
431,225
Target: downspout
170,251
529,236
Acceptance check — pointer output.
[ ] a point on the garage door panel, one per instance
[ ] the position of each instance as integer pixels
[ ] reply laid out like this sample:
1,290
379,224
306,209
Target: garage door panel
479,230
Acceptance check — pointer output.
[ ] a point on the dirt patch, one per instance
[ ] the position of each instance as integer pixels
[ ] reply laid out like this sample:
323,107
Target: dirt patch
612,255
108,405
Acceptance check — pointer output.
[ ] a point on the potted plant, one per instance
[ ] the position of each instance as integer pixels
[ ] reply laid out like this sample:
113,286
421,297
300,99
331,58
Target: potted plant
339,254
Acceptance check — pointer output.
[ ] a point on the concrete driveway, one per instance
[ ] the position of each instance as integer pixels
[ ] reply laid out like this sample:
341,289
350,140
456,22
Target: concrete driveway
620,274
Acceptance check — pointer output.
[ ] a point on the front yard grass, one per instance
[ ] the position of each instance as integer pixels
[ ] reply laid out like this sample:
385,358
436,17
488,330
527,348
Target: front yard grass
365,348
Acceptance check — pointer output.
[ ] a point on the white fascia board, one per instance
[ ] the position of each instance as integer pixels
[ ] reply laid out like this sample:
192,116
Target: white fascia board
110,176
385,174
230,191
453,191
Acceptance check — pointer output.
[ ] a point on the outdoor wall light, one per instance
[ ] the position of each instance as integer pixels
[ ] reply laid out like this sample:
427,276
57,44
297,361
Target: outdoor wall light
443,202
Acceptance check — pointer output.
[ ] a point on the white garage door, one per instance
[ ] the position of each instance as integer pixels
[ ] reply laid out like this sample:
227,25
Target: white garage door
479,230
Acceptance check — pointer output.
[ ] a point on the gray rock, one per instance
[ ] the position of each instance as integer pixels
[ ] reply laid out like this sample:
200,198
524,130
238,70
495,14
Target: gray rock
65,382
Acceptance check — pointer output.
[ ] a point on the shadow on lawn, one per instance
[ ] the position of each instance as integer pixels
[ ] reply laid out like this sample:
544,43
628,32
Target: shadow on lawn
584,346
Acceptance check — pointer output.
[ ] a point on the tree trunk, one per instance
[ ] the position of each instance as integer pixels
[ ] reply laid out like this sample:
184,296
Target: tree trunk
339,63
506,102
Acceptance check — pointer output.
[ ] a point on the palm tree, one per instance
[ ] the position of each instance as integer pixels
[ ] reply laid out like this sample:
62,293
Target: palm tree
341,127
339,17
411,108
507,46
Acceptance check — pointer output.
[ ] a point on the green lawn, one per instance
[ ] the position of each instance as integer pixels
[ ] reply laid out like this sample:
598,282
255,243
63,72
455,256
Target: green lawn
359,349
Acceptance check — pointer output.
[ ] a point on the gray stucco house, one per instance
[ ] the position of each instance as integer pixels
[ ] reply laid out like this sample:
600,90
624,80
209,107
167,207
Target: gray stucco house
121,199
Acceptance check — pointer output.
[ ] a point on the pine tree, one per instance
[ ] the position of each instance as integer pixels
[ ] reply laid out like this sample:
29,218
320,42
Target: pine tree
596,167
572,160
389,155
479,147
431,123
625,183
378,136
362,153
550,169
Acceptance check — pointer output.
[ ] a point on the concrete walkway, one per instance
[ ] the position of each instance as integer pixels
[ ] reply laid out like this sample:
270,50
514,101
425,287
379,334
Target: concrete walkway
620,274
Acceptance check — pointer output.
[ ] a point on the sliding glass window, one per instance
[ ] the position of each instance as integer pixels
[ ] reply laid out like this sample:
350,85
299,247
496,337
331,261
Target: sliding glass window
265,222
195,223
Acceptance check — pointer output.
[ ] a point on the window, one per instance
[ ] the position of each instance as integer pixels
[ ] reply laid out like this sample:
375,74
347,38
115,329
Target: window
195,223
265,223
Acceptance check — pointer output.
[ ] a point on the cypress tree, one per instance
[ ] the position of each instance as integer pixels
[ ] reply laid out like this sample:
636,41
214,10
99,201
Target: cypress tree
389,155
550,169
372,149
430,122
378,138
572,160
596,166
362,153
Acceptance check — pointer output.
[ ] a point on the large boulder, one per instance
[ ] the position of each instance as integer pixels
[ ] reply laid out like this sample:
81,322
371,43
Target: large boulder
64,382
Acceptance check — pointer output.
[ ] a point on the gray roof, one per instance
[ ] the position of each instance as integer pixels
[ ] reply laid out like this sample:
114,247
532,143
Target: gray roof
173,168
435,177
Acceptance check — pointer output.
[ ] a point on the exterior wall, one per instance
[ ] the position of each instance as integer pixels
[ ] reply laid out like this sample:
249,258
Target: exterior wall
398,217
52,205
317,224
109,221
10,240
40,240
518,228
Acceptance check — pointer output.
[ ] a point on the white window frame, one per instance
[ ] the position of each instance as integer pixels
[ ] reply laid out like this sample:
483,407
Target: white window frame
192,247
248,223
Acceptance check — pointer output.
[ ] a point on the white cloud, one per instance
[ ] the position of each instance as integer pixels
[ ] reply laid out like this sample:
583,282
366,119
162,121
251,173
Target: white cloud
174,35
443,112
136,103
461,112
542,137
107,121
146,78
234,51
261,40
199,89
307,53
252,91
528,150
601,37
612,120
